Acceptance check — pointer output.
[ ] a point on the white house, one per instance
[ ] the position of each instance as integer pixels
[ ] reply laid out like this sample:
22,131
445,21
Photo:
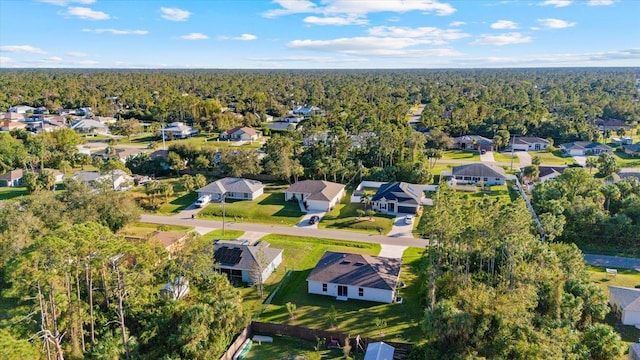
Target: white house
379,351
581,148
11,178
177,130
626,304
477,172
529,143
232,188
241,261
89,126
308,111
21,109
315,194
241,133
549,172
355,276
398,197
117,179
57,174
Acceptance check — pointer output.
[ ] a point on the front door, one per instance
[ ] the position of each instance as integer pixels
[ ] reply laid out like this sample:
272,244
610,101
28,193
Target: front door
342,290
392,207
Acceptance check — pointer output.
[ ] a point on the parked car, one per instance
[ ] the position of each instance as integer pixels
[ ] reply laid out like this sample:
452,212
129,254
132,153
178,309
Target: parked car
314,219
408,219
203,201
483,151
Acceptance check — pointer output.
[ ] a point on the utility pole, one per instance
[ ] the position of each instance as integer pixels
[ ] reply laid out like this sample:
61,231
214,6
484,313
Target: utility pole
512,143
223,212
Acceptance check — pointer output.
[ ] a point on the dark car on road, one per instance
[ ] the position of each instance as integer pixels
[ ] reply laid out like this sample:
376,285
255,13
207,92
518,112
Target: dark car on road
314,219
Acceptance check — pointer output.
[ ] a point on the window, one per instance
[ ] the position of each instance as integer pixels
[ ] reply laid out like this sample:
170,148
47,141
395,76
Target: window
324,287
246,195
486,179
360,292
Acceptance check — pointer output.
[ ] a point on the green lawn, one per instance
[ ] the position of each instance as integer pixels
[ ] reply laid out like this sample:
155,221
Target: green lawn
143,229
345,217
505,158
552,158
7,193
284,347
179,201
217,235
461,155
270,208
201,140
625,160
354,316
504,192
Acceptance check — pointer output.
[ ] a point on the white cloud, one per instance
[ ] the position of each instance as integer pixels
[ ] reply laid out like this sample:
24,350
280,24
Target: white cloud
555,23
358,8
378,46
601,2
76,54
87,13
551,60
85,62
66,2
335,20
117,32
5,60
174,14
557,3
504,24
21,49
502,39
457,23
429,35
243,37
53,59
313,59
194,36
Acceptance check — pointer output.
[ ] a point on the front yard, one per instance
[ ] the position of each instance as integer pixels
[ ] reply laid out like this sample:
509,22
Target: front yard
7,193
345,217
506,158
460,155
270,208
552,158
169,205
626,160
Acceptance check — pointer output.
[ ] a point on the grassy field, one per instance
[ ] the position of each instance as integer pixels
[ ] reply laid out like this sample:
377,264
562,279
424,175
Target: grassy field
143,229
552,158
354,316
625,160
284,347
270,208
7,193
345,217
179,201
505,158
460,155
201,140
217,235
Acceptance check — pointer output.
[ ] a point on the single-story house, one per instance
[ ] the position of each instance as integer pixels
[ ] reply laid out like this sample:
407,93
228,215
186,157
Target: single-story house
282,126
472,142
241,133
241,261
581,148
117,153
8,125
291,118
232,188
398,197
529,143
170,241
625,302
612,125
57,174
13,116
177,130
21,109
11,178
176,289
624,140
355,276
633,149
315,194
118,179
308,111
89,126
476,173
379,351
549,172
634,351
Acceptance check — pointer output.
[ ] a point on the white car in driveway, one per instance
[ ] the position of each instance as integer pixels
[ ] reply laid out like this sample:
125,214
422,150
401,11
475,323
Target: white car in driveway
408,219
203,201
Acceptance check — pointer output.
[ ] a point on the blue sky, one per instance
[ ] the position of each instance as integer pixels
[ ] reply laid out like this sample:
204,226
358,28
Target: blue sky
318,33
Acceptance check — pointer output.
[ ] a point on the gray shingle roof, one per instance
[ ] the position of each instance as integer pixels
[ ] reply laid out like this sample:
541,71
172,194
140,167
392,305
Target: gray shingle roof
479,170
403,192
230,184
627,298
357,270
317,189
249,254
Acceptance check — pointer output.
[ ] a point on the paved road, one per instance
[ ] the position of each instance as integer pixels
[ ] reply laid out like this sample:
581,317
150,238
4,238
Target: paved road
186,220
612,261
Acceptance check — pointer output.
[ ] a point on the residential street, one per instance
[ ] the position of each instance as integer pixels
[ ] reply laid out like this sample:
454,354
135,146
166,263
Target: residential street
612,261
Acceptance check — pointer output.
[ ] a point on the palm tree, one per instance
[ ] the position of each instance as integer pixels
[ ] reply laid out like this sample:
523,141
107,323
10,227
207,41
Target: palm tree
591,163
365,199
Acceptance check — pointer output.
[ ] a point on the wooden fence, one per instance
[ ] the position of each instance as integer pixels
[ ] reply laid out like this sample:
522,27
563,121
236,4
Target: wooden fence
235,346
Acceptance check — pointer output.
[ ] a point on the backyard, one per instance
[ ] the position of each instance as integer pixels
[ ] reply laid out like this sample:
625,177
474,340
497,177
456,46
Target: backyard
284,347
270,208
345,217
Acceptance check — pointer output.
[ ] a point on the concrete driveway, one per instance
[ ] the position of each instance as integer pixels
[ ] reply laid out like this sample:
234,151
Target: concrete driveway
400,229
487,157
304,223
525,158
392,251
582,160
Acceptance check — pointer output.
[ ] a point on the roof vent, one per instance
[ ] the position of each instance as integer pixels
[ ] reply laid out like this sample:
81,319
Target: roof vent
345,262
358,264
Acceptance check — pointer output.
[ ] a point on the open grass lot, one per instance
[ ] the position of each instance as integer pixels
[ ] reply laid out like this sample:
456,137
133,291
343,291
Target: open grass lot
505,158
354,316
7,193
284,347
345,217
626,278
270,208
625,160
179,201
217,235
460,155
200,140
143,229
552,158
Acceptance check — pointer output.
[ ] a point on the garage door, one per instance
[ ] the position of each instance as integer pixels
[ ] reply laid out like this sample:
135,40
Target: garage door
407,209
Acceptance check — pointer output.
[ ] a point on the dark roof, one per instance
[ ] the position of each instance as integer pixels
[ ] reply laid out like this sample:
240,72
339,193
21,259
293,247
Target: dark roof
402,192
317,189
357,270
240,256
632,147
624,175
479,170
612,123
548,170
586,145
244,129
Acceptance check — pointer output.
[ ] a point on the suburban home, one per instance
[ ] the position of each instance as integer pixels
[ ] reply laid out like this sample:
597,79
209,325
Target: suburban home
632,149
243,262
120,154
21,109
612,125
177,130
176,289
472,142
582,148
529,143
57,174
398,197
89,126
315,194
379,351
625,303
634,351
282,126
13,116
232,188
291,118
9,125
170,241
12,178
476,173
549,172
355,276
308,111
118,179
624,140
241,133
84,111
